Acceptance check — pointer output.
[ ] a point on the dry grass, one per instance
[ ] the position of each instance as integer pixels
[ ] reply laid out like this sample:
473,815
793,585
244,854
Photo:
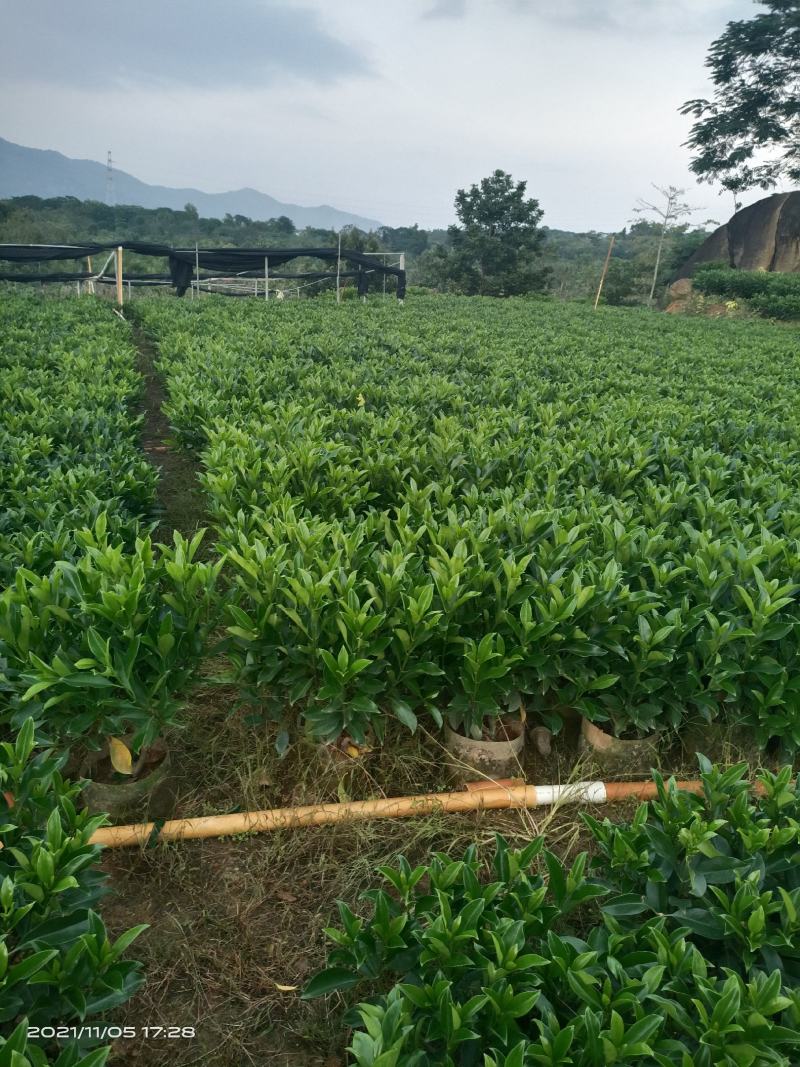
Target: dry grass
231,920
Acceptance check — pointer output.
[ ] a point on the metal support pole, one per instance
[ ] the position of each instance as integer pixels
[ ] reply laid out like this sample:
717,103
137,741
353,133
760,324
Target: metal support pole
120,299
89,266
266,278
197,269
338,269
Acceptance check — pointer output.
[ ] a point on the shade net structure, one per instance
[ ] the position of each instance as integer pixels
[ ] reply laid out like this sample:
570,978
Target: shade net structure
189,266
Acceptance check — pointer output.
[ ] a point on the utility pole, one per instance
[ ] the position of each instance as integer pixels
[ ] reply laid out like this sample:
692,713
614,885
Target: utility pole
605,270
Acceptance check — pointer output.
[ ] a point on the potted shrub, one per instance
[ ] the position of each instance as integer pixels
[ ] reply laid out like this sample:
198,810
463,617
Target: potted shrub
722,864
100,651
625,712
561,631
485,726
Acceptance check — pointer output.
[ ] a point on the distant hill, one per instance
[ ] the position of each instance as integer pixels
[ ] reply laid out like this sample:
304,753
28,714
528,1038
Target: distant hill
35,172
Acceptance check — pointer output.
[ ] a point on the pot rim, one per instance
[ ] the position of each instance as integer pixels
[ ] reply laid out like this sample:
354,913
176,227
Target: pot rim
588,728
515,742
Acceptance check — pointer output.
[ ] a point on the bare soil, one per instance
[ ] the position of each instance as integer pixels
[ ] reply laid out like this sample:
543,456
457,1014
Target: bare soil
180,500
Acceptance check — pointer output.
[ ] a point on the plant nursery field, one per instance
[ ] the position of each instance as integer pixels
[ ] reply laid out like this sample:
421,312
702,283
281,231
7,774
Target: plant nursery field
263,555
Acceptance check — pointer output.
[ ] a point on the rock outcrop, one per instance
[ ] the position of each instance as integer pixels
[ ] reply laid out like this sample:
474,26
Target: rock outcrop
762,236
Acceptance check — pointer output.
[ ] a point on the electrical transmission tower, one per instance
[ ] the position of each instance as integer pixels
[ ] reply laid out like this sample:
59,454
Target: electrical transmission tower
109,179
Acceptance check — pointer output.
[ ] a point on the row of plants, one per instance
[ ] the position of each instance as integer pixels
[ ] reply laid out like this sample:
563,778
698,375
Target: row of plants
58,967
69,446
100,629
774,295
481,504
678,944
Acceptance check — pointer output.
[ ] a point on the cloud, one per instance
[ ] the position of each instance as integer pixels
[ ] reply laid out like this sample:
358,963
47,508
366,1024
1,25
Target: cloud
96,44
447,9
591,16
635,16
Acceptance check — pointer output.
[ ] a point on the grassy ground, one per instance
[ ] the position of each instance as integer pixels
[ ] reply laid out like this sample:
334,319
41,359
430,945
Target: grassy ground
233,920
236,925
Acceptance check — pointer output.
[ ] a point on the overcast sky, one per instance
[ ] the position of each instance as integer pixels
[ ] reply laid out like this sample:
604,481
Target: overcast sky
380,108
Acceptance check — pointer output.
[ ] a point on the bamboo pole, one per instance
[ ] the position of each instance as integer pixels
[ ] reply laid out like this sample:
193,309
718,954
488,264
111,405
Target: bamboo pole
477,796
90,283
605,270
120,298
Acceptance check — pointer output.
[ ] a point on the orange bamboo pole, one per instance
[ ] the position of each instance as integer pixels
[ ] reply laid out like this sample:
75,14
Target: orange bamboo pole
477,796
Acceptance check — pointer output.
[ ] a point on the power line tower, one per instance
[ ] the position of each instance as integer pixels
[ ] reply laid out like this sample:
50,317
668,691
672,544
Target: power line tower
109,179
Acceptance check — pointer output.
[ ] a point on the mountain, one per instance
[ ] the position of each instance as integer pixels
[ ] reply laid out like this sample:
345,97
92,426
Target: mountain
34,172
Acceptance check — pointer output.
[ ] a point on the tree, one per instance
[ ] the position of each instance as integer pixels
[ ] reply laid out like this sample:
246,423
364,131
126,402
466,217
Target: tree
620,283
749,134
667,213
283,226
409,239
496,251
191,210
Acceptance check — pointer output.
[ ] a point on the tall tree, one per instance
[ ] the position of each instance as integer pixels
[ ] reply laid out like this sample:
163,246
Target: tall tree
496,251
667,213
749,134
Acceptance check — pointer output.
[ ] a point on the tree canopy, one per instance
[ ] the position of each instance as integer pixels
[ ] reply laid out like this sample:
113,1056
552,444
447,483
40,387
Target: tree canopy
749,134
496,251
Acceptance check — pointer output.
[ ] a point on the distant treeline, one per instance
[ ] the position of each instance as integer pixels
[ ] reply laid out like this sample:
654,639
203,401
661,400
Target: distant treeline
575,259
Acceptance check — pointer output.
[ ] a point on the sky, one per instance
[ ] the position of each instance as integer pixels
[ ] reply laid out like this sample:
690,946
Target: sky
378,108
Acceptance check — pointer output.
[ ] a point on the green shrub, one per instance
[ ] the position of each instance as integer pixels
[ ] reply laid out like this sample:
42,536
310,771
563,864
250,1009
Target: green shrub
723,865
17,1050
57,964
690,960
777,305
772,294
104,645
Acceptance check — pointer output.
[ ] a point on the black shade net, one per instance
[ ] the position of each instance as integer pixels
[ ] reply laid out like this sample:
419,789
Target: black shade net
184,262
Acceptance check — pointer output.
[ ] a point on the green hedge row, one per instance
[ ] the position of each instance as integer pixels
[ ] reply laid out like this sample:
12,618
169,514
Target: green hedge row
776,296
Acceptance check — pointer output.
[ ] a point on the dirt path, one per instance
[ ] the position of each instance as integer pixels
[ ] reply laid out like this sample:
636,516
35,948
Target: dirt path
180,500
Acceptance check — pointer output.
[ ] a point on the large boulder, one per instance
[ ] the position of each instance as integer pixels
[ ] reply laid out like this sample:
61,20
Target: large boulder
762,236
